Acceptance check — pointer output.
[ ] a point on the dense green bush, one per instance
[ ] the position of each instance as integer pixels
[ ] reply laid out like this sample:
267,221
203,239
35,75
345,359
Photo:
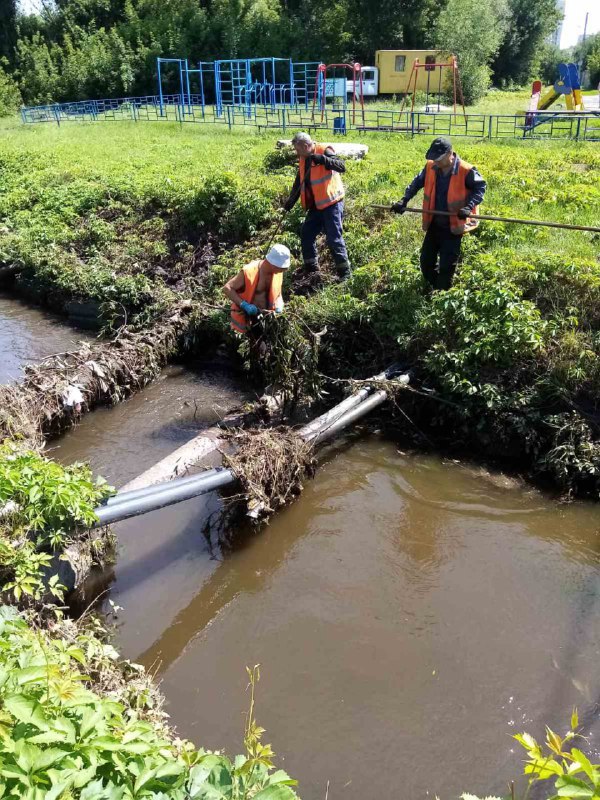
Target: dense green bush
10,96
63,735
45,506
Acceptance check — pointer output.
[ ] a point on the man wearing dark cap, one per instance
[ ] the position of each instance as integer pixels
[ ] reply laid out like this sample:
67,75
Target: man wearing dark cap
448,184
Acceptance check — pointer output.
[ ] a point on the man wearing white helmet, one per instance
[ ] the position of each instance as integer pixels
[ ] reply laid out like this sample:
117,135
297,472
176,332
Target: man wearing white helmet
257,288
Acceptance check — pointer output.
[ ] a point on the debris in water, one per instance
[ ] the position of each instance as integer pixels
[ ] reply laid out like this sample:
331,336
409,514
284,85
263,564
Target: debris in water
270,463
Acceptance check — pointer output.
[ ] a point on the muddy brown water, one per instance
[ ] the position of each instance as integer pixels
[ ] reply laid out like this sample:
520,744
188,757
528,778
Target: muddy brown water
409,613
27,335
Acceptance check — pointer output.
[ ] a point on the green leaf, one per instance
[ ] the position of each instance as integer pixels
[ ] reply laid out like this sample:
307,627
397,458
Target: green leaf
585,764
527,741
277,792
46,758
26,709
280,776
93,791
568,786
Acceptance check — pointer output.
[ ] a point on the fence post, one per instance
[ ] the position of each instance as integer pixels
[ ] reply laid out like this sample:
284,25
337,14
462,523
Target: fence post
133,111
229,116
283,118
56,110
578,127
412,123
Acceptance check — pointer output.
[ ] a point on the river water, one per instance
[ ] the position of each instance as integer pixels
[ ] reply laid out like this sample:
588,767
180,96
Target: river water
409,613
27,335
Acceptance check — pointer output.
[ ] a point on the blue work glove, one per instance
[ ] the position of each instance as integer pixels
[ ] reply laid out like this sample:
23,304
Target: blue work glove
249,308
464,212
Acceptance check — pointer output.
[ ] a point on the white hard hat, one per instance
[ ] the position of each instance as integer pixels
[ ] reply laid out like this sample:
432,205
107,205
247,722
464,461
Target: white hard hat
279,256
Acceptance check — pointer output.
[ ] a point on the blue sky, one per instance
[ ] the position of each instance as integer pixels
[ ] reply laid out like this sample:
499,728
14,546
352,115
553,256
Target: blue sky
575,11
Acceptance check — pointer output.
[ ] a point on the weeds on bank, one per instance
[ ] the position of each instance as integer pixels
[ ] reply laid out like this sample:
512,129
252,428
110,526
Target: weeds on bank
571,774
43,507
76,723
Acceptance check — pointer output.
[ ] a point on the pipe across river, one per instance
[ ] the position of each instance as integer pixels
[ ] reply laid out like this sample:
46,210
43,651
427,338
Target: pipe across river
410,613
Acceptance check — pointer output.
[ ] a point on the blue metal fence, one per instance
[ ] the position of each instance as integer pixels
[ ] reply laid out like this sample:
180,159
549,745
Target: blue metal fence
190,108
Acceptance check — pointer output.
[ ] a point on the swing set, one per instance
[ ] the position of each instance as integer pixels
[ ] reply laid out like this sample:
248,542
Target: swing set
430,66
337,88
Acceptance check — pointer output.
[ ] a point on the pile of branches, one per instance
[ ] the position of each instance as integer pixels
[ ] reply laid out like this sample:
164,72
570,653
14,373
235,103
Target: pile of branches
271,464
57,391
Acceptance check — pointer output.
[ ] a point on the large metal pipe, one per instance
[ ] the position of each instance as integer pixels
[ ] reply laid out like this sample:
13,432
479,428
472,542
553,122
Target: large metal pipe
151,498
307,433
154,488
167,496
351,416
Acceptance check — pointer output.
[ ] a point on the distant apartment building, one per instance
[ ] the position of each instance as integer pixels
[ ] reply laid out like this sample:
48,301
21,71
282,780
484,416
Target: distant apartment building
555,37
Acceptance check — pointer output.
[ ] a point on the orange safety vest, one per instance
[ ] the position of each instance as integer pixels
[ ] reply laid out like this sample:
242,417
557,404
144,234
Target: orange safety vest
239,318
458,196
326,184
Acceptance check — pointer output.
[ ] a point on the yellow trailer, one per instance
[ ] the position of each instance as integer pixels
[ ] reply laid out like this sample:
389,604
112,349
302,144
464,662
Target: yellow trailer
395,68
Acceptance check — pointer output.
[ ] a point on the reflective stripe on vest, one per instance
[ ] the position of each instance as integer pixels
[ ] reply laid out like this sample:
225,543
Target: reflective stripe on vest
458,196
239,319
326,184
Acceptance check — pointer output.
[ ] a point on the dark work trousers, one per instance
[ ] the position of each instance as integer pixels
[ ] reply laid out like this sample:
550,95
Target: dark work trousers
440,242
329,221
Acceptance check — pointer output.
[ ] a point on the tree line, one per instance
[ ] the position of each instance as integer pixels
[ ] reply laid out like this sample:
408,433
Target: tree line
76,49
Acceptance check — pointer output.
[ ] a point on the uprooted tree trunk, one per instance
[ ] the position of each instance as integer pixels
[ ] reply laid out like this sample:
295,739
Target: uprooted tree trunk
57,391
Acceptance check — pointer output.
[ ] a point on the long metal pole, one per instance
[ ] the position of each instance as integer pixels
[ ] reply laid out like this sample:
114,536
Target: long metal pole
160,91
490,218
156,488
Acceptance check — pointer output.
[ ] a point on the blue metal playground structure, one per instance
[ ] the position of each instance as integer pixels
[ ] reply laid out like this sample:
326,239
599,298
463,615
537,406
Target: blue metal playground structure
279,94
241,83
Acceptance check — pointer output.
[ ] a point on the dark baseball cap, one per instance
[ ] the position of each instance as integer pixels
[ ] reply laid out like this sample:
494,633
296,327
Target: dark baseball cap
438,148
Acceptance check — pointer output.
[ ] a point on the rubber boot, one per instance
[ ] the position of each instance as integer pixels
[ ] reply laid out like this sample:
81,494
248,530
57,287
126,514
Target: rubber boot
343,270
311,266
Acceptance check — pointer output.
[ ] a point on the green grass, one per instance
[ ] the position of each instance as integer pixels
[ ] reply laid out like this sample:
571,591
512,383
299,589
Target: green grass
124,212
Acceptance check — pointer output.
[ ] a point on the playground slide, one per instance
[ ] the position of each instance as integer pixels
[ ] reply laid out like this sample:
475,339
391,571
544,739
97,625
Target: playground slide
536,91
567,85
546,101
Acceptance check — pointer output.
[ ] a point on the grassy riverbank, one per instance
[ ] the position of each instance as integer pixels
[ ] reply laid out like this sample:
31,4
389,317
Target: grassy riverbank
135,217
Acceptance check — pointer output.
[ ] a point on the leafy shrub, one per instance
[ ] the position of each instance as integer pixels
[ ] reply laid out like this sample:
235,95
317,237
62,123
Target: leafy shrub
44,505
63,736
10,97
475,325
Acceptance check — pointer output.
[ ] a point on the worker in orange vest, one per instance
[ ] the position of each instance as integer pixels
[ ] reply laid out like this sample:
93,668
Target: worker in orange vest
449,184
321,191
257,288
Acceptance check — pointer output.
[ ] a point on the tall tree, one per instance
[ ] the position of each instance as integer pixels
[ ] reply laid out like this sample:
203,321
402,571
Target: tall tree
8,29
472,30
528,23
